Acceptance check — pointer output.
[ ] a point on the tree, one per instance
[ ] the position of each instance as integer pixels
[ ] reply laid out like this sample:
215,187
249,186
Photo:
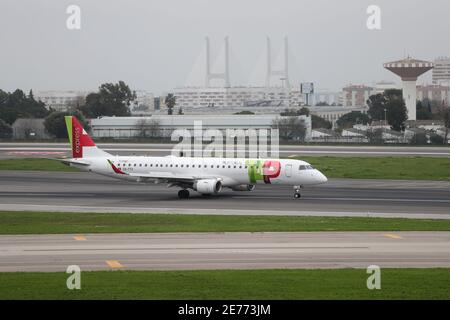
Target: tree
244,112
148,128
290,128
9,115
180,111
436,139
56,125
391,101
444,114
112,99
18,105
352,118
304,111
375,136
419,138
170,101
3,97
5,130
377,104
423,112
431,105
319,122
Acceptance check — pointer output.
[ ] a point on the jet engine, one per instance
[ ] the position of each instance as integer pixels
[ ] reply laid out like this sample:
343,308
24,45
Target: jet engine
208,186
244,187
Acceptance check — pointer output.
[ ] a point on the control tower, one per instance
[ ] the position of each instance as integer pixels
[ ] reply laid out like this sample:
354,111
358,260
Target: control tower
409,70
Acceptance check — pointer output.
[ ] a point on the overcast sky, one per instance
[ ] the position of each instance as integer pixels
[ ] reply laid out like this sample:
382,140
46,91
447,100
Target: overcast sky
153,44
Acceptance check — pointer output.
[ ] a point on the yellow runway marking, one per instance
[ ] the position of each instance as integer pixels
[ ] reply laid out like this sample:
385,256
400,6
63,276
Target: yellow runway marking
392,236
114,264
80,238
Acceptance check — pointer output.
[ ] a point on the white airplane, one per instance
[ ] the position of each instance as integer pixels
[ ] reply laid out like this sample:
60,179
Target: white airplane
207,176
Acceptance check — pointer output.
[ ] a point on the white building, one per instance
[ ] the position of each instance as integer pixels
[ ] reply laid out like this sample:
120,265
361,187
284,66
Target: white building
329,97
441,71
144,103
61,100
332,113
382,86
356,95
436,92
222,97
129,127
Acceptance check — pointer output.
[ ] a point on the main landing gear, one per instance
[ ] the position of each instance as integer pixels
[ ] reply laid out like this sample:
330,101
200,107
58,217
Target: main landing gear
183,194
297,194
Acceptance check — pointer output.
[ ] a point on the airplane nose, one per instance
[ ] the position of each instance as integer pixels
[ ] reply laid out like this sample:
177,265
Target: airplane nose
321,177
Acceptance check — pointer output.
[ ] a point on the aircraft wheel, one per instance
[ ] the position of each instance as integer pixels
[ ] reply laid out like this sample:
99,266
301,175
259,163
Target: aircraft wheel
297,195
183,194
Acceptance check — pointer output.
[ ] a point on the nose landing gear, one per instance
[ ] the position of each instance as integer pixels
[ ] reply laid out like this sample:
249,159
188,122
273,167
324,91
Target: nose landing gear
297,194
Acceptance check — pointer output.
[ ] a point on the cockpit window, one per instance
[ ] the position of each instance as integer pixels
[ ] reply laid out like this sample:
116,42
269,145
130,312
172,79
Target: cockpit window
306,167
302,167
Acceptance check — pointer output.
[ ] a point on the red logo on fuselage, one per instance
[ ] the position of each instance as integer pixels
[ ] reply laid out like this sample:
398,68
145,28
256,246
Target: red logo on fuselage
271,170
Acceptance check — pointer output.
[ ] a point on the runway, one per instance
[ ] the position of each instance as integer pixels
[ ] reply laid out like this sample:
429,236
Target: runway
20,150
224,251
87,192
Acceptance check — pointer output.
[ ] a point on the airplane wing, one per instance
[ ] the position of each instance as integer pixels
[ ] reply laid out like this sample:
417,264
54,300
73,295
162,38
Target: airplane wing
71,161
162,176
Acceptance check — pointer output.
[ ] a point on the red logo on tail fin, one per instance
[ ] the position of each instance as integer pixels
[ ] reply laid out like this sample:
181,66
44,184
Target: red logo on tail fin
80,139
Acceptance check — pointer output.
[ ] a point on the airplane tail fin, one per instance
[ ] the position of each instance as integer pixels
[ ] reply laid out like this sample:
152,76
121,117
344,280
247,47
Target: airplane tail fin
80,141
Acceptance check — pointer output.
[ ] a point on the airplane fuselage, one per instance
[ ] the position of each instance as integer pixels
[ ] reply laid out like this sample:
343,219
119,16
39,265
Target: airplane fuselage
230,171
